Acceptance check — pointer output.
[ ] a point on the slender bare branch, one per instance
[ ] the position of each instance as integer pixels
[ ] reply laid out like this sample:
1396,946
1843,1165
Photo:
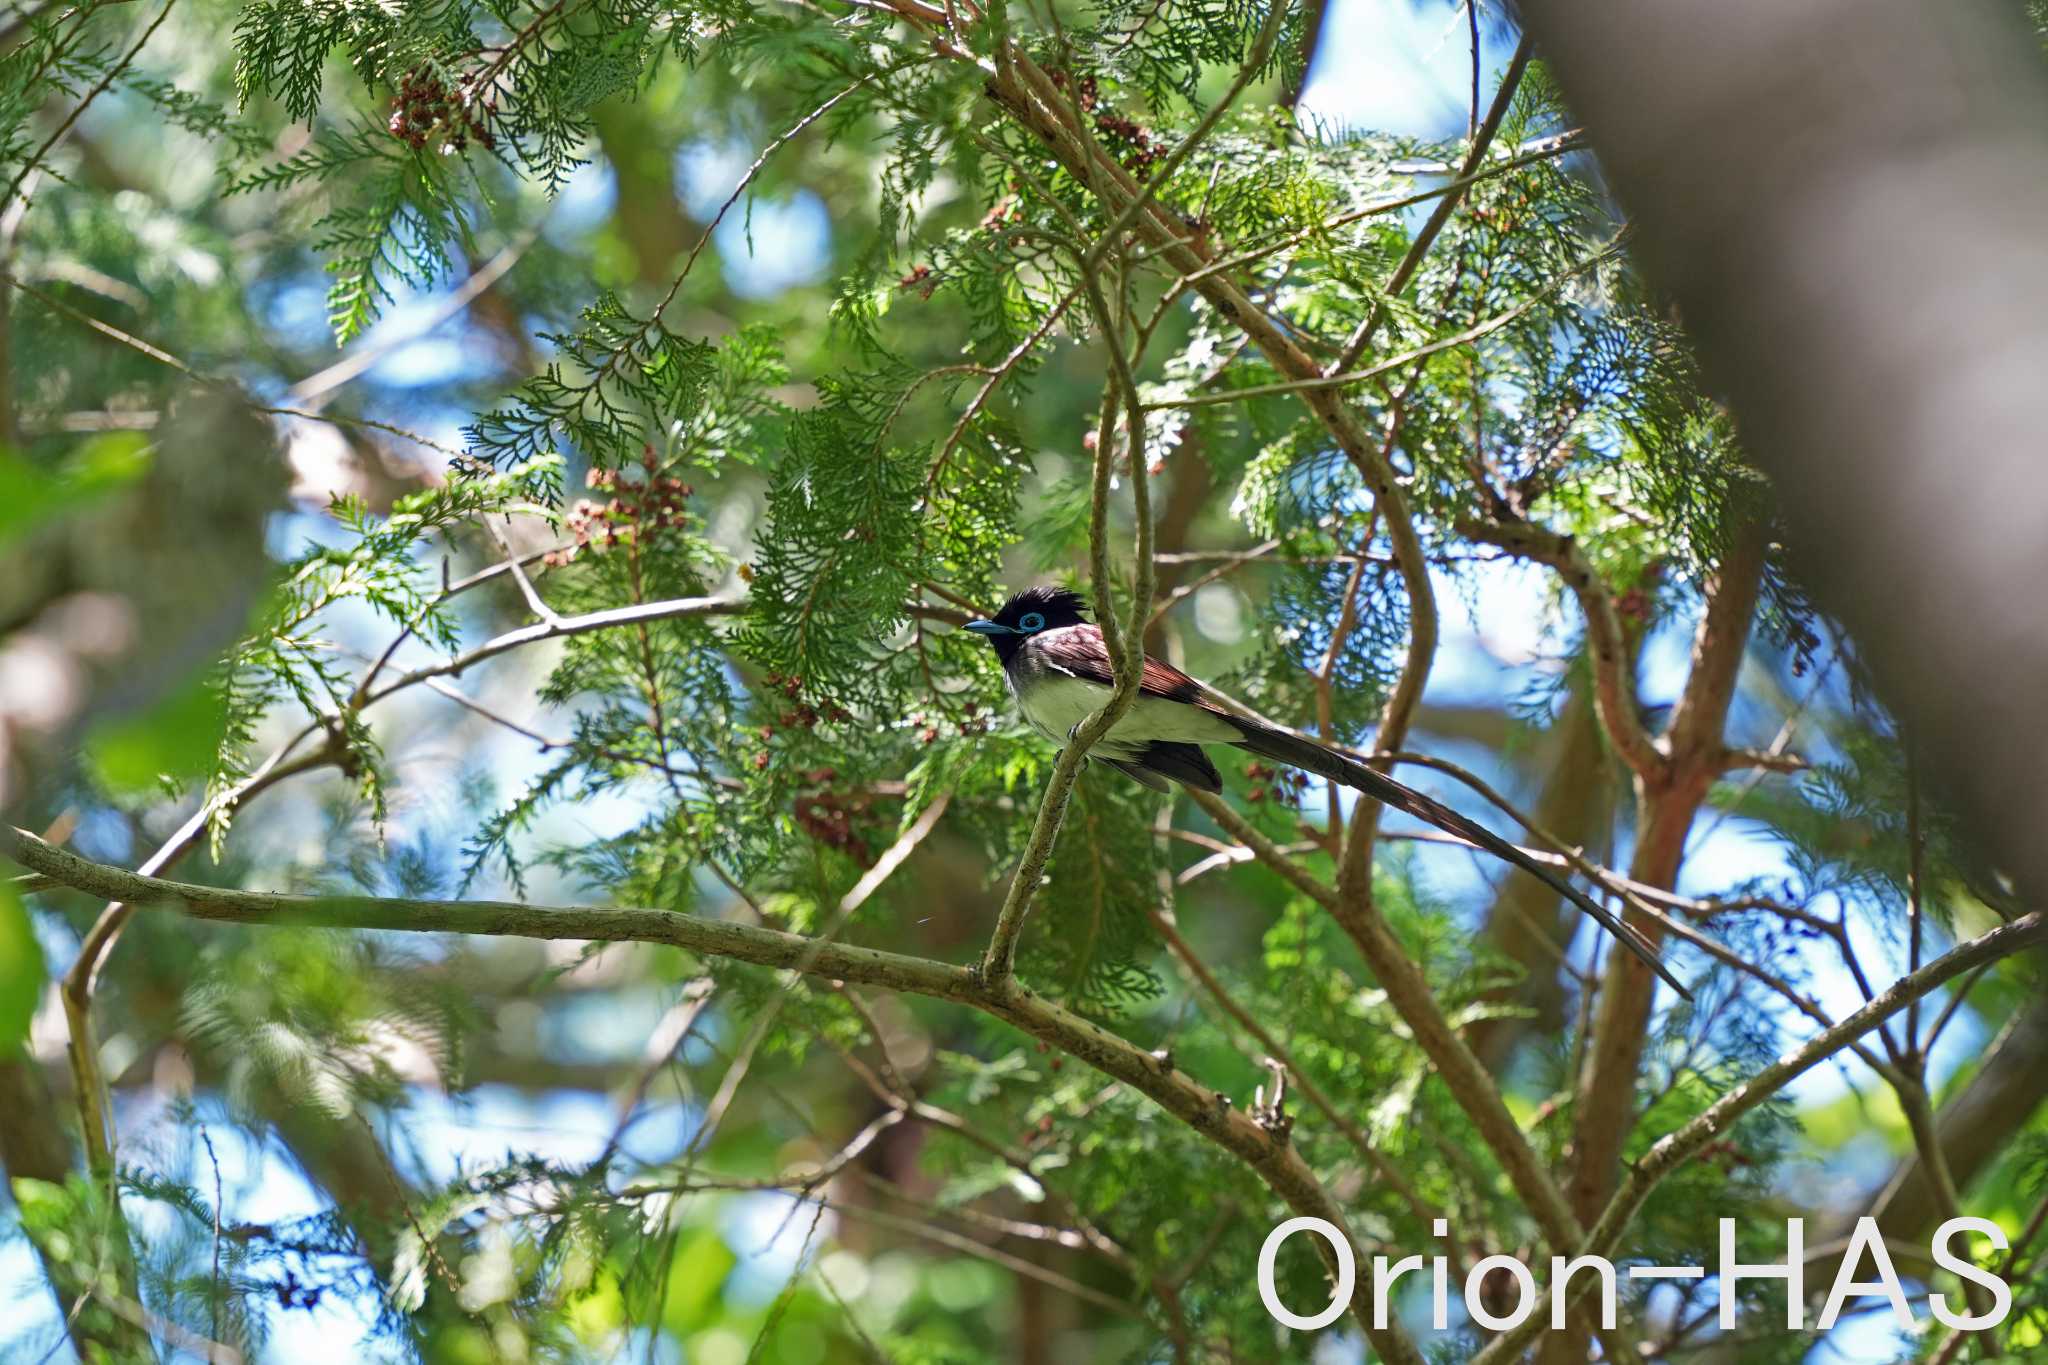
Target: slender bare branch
1676,1148
75,990
1614,686
33,162
1482,138
764,1020
1198,971
1125,644
558,628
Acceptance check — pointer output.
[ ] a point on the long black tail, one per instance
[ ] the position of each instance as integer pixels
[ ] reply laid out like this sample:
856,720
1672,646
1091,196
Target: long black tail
1299,752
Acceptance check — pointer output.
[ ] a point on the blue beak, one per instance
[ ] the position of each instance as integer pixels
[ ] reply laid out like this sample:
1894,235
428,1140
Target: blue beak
990,628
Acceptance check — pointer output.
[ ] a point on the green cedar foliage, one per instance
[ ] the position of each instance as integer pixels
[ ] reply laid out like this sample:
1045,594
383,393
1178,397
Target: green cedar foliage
840,476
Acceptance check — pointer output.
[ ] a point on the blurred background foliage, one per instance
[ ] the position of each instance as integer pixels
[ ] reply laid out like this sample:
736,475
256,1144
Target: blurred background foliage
321,311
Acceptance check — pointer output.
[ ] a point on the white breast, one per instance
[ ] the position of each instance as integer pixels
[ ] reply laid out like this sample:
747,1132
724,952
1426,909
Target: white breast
1057,704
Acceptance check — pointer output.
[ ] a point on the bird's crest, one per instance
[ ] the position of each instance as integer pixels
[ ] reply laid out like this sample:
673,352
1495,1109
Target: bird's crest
1060,606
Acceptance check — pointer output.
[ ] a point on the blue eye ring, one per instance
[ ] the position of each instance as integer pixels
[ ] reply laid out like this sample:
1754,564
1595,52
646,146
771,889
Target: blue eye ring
1030,621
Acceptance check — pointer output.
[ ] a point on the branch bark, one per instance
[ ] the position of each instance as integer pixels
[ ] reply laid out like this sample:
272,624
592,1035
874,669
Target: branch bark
560,627
1528,922
1418,249
1973,1127
1614,683
1689,755
1206,1111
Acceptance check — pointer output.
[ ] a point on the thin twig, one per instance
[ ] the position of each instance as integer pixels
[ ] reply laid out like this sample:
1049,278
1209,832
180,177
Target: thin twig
75,991
534,603
871,881
1183,952
1262,49
560,628
210,1351
113,73
314,389
1126,654
1614,687
1342,379
1503,99
666,1038
207,1138
1540,149
1676,1148
165,358
1915,910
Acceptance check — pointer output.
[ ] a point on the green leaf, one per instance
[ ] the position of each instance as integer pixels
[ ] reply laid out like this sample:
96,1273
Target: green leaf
174,740
32,496
21,971
39,1204
695,1278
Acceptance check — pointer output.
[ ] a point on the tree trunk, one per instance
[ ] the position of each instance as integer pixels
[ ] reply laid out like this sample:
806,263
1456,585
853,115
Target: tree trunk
1845,198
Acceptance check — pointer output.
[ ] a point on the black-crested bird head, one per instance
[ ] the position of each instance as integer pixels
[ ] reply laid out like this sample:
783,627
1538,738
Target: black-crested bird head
1026,614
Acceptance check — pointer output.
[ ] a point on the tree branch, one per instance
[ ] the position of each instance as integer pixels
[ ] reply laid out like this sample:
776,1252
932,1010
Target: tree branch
1974,1125
1198,972
1690,751
1482,139
1409,994
558,628
35,159
1202,1109
1676,1148
76,988
1880,377
1614,684
999,960
1013,86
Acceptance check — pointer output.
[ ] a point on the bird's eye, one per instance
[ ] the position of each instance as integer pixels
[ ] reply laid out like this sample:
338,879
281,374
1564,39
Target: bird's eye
1030,621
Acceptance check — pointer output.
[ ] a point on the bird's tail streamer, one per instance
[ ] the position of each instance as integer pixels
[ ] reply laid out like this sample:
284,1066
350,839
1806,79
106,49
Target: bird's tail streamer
1298,751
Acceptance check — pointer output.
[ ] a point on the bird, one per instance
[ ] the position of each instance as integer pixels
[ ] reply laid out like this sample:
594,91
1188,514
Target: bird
1058,671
